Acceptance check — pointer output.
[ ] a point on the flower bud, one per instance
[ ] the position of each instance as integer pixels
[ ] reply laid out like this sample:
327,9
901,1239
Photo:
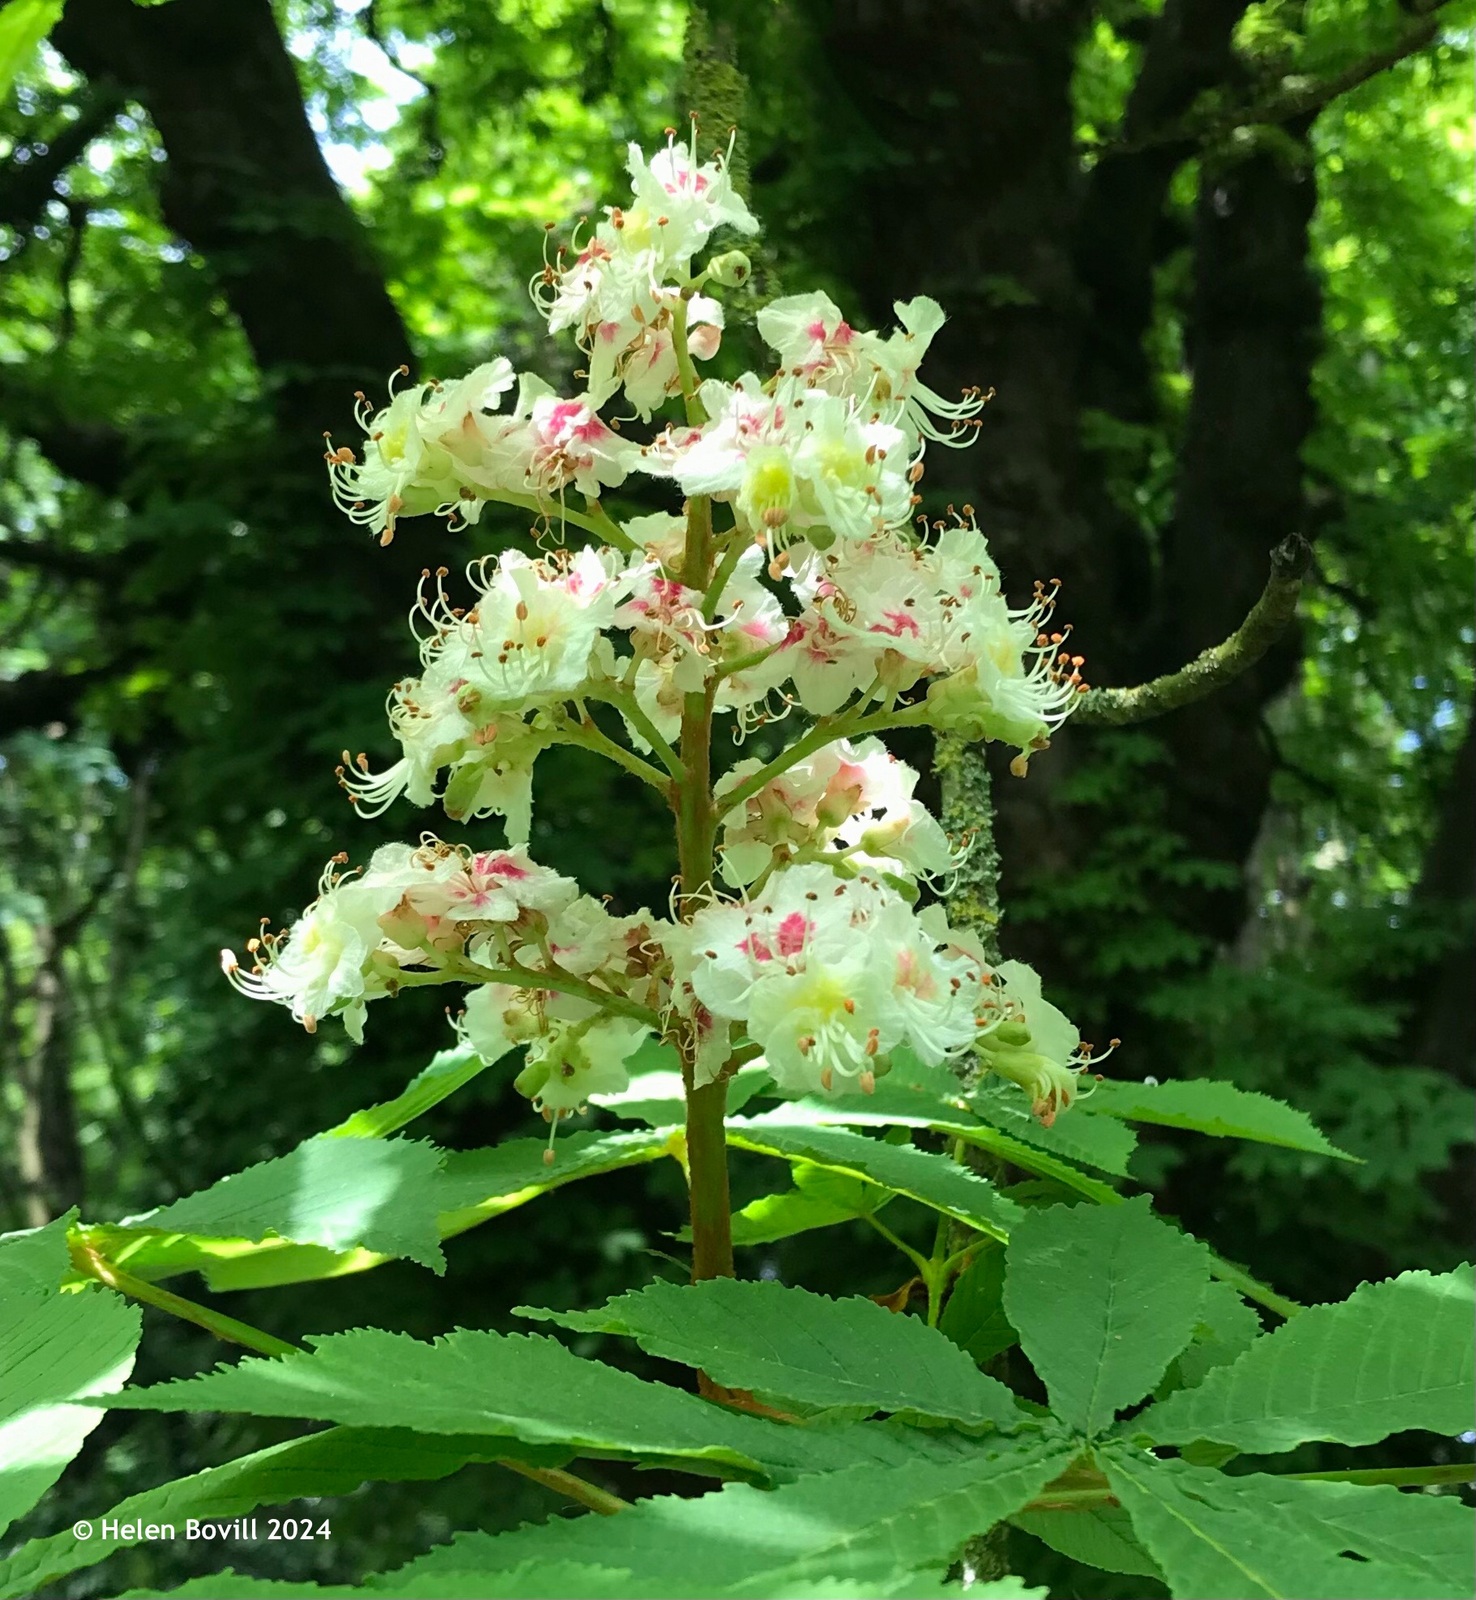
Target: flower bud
532,1079
731,270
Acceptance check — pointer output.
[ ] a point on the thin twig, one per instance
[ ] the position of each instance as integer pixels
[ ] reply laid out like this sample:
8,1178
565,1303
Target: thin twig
1219,665
1303,98
565,1483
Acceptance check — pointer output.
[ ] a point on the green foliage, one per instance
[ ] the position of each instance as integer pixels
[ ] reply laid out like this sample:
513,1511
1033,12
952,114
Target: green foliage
513,1386
1395,1355
820,1199
1222,1538
789,1344
903,1168
57,1351
974,1317
340,1194
160,815
864,1525
334,1462
1216,1108
1103,1300
23,25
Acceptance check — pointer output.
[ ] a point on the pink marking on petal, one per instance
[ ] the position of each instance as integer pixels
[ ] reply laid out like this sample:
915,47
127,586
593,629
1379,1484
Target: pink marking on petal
792,932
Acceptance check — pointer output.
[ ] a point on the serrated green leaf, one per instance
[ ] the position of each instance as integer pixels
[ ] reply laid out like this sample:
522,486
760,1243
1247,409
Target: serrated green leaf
1077,1135
1103,1299
529,1388
448,1071
336,1195
1227,1328
913,1095
23,25
35,1260
656,1095
819,1199
1206,1105
1097,1536
55,1349
860,1525
1261,1538
934,1180
472,1187
571,1580
1393,1355
334,1462
794,1345
973,1316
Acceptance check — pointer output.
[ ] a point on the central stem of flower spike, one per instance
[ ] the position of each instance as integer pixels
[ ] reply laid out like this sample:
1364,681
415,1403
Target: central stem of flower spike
707,1104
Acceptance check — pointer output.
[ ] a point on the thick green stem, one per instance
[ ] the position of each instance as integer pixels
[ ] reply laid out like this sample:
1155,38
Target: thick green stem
707,1104
87,1259
565,1483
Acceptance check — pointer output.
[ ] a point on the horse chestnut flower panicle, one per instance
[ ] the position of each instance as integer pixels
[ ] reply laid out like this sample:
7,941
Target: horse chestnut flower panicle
795,578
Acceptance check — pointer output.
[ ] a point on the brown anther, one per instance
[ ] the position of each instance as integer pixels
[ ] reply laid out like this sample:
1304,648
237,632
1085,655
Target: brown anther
849,1006
548,1157
827,1080
868,1082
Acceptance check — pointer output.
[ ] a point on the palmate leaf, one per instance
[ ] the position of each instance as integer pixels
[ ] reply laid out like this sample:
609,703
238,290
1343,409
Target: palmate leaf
1394,1355
1217,1537
863,1525
933,1180
794,1345
55,1349
1206,1105
1103,1297
333,1462
529,1388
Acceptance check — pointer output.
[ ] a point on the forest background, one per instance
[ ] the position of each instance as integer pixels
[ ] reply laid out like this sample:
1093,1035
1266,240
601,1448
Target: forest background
1212,257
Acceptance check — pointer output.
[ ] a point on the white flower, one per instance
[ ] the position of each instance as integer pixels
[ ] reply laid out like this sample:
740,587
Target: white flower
530,638
689,199
828,975
574,1060
487,758
814,341
337,955
399,476
852,800
494,886
1034,1044
678,649
796,463
937,611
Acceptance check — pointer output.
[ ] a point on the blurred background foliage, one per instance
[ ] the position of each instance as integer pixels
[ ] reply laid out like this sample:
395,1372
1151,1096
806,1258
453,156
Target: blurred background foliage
1212,256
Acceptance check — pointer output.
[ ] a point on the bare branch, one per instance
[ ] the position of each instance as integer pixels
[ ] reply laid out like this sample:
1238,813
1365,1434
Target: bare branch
1300,97
1219,665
